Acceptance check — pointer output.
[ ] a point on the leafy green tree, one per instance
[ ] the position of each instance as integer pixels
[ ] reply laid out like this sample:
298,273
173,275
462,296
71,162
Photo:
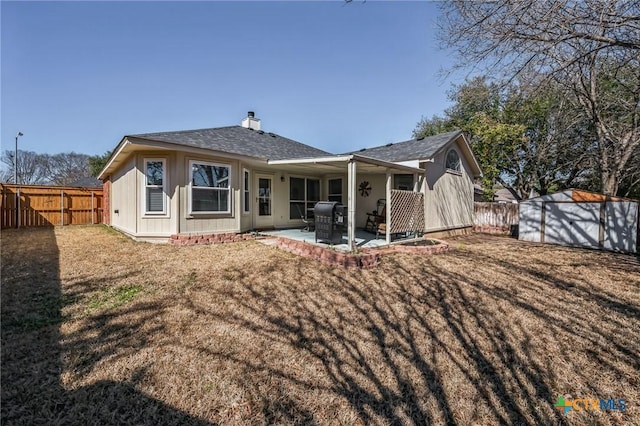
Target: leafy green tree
433,126
97,163
524,140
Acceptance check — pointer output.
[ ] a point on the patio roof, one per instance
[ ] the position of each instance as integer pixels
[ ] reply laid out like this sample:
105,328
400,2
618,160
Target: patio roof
352,164
334,163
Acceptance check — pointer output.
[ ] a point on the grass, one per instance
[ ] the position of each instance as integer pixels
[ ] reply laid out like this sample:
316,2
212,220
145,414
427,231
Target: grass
98,329
114,297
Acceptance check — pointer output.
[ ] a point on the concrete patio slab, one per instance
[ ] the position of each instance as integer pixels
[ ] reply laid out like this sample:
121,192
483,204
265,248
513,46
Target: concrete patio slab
364,239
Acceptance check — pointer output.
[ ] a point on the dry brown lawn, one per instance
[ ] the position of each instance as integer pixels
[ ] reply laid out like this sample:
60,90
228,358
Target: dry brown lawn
98,329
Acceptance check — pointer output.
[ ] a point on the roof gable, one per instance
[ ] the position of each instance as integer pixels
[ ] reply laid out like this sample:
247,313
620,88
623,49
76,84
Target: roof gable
422,149
414,149
238,140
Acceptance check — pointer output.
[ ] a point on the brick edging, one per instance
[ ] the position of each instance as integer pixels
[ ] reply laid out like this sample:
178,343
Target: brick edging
329,256
190,240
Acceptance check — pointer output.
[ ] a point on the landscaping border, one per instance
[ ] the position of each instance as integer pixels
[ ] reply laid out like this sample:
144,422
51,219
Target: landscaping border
328,256
201,239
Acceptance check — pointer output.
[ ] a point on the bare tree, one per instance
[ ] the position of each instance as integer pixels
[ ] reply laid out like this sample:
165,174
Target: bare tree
32,167
68,167
591,48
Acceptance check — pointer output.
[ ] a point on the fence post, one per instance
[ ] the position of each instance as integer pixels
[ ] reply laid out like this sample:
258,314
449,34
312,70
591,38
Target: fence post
92,207
62,207
18,208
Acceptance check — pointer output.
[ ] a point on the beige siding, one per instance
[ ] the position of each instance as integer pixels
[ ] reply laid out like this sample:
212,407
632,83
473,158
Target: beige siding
378,184
448,196
124,196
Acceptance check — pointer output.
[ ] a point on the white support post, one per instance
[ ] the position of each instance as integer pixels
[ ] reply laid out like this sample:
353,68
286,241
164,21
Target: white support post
416,182
388,209
61,208
351,200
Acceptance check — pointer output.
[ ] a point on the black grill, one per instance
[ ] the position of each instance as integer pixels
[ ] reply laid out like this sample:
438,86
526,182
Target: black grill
331,220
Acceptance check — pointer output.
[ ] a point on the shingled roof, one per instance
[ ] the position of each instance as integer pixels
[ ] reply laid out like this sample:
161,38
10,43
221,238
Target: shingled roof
421,148
238,140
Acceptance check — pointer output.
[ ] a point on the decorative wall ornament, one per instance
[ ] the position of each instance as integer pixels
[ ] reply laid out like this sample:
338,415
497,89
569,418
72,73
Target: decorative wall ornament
365,188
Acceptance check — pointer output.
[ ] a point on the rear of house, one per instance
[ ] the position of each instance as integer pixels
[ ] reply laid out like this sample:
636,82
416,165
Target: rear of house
240,178
449,171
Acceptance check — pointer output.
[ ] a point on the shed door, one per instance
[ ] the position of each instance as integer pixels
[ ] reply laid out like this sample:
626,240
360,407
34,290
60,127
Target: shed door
572,224
264,201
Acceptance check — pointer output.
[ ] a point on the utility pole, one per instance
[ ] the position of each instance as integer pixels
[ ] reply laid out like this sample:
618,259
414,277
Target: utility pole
15,160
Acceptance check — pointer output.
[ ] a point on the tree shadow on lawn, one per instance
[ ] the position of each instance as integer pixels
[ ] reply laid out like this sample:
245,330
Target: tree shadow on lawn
418,340
412,347
31,352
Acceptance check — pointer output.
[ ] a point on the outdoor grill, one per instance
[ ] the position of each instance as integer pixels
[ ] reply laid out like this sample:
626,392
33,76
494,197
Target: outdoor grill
330,221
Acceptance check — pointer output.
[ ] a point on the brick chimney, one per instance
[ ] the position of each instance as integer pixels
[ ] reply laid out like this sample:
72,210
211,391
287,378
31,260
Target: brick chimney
251,122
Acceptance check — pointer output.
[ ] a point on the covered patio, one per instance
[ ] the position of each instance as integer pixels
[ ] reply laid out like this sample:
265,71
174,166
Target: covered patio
352,165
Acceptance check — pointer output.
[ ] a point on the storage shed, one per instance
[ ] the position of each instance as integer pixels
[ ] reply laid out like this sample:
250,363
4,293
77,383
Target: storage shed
580,218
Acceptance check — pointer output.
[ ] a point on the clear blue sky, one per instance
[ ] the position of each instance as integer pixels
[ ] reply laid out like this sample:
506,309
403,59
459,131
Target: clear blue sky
78,76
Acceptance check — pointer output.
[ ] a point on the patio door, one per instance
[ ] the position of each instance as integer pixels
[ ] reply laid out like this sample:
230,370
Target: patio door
264,201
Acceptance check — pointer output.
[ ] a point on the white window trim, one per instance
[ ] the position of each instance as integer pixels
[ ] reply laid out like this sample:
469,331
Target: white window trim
246,210
190,186
164,213
446,160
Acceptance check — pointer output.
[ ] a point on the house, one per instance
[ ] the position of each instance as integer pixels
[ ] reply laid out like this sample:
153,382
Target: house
501,195
86,182
240,178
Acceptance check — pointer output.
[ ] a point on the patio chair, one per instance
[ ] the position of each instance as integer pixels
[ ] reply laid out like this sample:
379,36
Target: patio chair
309,221
376,217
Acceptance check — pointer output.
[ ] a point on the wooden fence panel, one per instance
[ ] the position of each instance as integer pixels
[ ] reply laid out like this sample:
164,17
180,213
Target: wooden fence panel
496,218
49,206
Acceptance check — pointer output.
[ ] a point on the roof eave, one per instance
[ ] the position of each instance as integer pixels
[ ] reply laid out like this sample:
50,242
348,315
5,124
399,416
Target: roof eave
103,173
345,159
140,141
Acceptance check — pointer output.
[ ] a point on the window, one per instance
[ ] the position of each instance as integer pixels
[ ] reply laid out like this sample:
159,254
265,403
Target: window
335,190
303,195
154,186
403,181
210,187
453,161
246,201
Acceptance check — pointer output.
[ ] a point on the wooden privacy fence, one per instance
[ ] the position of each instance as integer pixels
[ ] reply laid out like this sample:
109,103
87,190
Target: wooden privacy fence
495,218
31,205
